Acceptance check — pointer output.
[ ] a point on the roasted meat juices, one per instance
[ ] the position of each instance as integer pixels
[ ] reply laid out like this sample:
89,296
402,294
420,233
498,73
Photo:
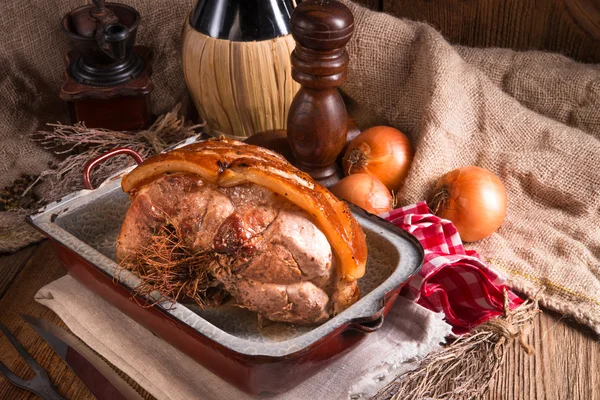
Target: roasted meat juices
264,232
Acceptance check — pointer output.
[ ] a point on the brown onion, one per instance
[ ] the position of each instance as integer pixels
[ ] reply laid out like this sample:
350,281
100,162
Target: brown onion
380,151
365,191
474,199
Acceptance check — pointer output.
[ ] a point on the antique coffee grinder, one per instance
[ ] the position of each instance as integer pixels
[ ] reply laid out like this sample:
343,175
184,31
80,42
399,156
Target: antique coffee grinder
107,80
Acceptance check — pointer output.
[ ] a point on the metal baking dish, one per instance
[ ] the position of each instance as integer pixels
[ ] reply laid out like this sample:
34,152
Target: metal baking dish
227,340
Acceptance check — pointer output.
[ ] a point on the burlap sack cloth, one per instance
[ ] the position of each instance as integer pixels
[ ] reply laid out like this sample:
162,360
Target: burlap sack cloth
532,118
32,71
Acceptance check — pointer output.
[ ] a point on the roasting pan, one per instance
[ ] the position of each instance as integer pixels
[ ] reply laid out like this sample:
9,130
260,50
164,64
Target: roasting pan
227,340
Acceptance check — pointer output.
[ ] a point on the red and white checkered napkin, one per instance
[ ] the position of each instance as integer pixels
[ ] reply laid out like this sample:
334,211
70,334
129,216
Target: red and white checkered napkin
453,280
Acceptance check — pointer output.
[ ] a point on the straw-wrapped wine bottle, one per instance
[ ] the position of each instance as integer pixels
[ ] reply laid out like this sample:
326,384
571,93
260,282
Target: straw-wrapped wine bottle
236,61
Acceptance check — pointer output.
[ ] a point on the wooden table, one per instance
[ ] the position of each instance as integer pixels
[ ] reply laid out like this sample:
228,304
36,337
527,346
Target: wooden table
567,364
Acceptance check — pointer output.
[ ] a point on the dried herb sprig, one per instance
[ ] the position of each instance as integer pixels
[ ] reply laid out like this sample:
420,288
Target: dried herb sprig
166,265
82,144
464,368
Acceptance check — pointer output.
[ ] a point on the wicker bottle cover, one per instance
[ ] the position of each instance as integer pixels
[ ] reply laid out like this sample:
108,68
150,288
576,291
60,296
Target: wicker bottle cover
236,62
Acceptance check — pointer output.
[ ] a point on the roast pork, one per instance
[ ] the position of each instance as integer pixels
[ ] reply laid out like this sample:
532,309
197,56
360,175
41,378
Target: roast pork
293,250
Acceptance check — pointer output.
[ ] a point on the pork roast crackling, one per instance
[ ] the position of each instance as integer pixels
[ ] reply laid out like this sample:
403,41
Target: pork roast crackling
295,251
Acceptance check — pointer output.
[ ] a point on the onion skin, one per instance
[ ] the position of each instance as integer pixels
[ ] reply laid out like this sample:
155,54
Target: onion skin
474,199
381,151
365,191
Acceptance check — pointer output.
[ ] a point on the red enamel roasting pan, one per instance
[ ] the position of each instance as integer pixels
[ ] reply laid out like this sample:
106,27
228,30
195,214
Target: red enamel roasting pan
227,340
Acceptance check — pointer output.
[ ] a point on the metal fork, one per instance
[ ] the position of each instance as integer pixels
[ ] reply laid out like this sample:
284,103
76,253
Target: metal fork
39,385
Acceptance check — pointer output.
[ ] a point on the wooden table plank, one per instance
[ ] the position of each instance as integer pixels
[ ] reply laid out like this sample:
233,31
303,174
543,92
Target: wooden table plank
548,25
566,365
376,5
42,267
11,265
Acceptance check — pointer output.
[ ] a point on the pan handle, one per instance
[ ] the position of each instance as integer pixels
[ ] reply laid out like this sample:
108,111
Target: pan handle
367,327
374,324
87,170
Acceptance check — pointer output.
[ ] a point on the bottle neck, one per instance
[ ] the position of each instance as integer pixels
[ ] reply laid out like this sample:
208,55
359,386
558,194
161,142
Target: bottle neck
242,20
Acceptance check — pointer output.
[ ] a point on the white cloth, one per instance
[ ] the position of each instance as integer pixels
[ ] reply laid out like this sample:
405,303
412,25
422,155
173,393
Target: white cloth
409,332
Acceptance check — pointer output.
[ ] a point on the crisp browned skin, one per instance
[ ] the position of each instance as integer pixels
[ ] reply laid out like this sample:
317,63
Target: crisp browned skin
228,163
282,266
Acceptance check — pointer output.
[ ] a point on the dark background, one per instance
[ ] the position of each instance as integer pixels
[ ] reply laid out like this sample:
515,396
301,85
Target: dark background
570,27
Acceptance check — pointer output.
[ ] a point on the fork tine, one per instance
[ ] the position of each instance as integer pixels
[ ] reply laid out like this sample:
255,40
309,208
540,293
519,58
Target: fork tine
12,377
24,354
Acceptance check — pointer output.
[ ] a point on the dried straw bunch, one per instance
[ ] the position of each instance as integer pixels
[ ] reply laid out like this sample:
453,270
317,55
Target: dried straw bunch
464,369
176,272
82,144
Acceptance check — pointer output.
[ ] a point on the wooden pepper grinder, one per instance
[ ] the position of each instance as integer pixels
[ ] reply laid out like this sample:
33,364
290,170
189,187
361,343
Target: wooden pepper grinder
317,122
